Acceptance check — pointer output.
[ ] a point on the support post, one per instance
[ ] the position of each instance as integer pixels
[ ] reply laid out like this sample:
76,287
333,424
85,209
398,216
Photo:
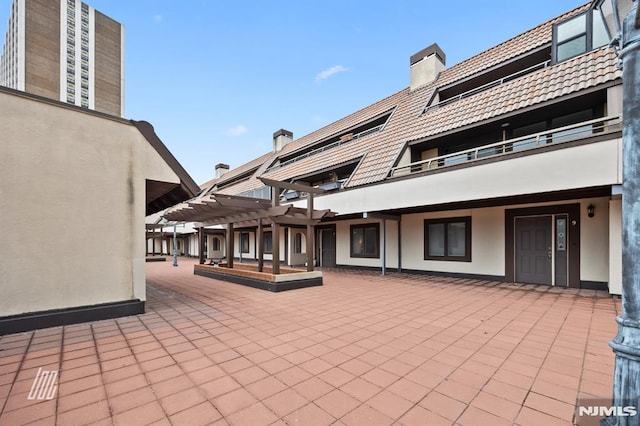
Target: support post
153,241
275,233
626,344
260,247
240,247
384,246
399,244
230,245
201,238
310,232
175,246
275,245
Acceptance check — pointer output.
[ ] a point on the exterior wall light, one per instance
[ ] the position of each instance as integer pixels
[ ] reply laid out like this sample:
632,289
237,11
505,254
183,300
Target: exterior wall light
591,210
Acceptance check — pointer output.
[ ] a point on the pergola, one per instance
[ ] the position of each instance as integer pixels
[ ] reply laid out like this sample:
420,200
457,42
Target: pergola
236,211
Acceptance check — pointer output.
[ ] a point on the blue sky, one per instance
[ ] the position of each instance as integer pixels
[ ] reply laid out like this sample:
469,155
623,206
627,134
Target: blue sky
217,78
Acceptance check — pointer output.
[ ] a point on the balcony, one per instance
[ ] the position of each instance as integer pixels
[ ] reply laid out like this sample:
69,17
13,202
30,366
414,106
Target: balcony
507,148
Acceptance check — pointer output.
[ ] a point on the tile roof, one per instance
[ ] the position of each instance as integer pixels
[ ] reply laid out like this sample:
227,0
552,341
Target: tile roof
343,124
238,171
579,73
516,46
378,152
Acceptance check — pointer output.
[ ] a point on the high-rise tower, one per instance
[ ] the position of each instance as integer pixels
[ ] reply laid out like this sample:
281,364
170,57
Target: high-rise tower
65,50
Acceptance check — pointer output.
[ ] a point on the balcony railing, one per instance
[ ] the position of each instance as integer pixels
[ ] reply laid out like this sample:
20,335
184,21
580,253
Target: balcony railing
553,136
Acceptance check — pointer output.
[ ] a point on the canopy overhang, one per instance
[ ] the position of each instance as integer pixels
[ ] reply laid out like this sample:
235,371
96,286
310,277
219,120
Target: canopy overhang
217,209
235,211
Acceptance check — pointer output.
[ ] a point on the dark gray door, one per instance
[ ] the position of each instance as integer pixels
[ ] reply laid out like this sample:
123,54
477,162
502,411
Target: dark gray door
533,249
328,248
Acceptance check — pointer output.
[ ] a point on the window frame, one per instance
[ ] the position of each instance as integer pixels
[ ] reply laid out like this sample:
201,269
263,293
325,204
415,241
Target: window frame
588,34
364,226
467,231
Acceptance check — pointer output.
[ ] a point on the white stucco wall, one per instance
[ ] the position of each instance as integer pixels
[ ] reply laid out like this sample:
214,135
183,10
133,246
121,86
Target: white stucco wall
582,166
343,245
487,241
594,241
72,193
615,246
297,259
252,245
216,254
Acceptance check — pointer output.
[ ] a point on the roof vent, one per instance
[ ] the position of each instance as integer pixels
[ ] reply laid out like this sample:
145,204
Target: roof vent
426,65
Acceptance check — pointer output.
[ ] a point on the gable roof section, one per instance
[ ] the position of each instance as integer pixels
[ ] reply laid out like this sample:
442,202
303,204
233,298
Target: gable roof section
253,182
162,195
238,171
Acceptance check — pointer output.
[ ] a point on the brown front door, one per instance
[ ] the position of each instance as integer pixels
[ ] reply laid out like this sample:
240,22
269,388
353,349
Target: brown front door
328,247
533,249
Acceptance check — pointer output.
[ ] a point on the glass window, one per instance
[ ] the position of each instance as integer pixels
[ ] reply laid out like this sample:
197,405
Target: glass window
448,239
268,242
244,242
215,244
572,27
456,239
297,243
572,48
578,35
600,34
436,239
365,240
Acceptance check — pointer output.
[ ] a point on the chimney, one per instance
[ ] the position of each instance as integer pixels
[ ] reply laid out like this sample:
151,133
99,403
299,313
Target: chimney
281,138
426,65
221,169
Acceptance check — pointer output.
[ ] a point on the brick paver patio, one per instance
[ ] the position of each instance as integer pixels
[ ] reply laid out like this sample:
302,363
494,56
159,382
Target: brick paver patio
361,350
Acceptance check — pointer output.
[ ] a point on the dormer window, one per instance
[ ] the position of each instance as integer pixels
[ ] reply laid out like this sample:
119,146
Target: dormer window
578,35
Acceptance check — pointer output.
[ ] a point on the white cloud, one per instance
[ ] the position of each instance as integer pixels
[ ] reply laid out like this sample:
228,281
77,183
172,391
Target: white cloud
323,75
158,17
236,130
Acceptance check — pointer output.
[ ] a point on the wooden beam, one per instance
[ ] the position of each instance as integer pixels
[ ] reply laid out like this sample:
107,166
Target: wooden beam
249,216
288,220
244,203
291,186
